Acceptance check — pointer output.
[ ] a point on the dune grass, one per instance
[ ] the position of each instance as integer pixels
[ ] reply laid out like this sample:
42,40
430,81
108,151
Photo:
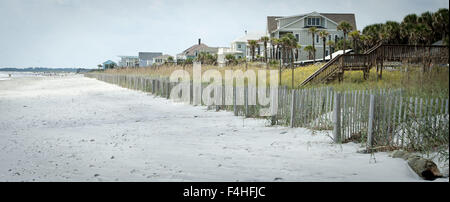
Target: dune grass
433,83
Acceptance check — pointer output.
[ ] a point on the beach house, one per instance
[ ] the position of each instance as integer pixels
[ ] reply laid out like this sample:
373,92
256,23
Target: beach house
129,61
162,59
146,58
195,50
109,64
299,25
240,49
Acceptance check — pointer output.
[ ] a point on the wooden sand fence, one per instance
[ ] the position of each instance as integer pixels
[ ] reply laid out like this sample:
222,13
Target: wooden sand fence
378,118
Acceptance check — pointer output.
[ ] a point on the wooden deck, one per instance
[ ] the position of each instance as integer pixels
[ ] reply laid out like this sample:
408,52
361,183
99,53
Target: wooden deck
425,55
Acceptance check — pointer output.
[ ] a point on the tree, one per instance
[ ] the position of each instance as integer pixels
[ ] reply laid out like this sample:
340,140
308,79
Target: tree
289,43
297,51
265,39
426,19
275,42
345,27
441,23
230,59
170,59
372,32
324,34
355,38
99,66
391,30
252,44
313,31
407,26
331,47
310,50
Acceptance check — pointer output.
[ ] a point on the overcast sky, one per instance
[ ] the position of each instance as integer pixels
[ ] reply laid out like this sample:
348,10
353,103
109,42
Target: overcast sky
84,33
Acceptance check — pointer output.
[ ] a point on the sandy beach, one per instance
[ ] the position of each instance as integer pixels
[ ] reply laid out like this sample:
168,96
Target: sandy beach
72,128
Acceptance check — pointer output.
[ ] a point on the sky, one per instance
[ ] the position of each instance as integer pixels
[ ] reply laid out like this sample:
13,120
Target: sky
85,33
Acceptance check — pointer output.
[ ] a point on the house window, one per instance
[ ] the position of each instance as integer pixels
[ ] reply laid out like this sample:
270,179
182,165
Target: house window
329,37
297,37
314,21
239,45
317,38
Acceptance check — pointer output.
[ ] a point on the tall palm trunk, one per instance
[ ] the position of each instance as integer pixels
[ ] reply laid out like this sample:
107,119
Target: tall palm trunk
314,49
324,40
331,53
345,43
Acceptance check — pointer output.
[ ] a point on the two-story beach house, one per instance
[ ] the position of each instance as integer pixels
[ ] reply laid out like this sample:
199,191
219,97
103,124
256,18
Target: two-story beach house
129,61
240,49
298,25
146,58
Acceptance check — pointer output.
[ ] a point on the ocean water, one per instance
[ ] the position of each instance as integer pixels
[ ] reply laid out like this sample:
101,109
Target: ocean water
12,75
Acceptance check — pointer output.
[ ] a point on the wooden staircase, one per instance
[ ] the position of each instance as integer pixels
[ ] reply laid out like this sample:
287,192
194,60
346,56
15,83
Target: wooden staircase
375,56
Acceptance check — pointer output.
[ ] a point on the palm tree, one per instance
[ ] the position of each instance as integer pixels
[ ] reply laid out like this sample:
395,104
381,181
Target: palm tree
391,32
331,47
419,34
373,33
441,23
345,27
355,37
407,26
324,34
275,43
252,44
272,51
297,51
426,19
313,31
310,50
265,39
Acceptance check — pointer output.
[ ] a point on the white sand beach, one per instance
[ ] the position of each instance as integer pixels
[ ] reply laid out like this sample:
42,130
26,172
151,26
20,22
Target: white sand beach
73,128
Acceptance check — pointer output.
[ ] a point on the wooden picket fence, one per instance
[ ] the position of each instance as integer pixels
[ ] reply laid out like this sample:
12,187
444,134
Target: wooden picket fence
375,117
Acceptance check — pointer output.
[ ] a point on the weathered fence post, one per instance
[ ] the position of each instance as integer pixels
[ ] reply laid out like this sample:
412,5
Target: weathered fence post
337,118
292,108
234,101
370,127
246,99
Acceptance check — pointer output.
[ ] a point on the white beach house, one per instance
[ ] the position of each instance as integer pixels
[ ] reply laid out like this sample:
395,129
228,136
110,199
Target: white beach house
240,48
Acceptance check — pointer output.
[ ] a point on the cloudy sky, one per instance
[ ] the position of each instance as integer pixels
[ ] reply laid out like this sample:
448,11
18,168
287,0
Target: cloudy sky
84,33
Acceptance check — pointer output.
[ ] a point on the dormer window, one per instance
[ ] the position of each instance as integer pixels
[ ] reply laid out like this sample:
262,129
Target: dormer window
313,21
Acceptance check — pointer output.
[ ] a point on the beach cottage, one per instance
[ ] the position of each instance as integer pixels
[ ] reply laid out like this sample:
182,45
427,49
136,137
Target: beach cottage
193,51
146,58
162,59
129,61
299,25
109,64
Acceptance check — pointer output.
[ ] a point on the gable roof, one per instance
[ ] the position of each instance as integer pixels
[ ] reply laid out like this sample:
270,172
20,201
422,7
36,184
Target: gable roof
272,21
109,62
250,36
198,48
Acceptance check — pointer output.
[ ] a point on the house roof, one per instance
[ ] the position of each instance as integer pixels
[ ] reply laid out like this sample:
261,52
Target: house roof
109,62
165,56
250,36
149,55
336,17
198,48
272,23
128,57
